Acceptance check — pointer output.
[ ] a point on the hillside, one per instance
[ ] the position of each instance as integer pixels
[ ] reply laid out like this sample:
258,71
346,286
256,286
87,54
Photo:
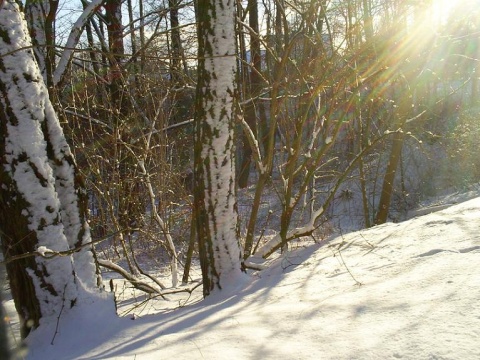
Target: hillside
408,290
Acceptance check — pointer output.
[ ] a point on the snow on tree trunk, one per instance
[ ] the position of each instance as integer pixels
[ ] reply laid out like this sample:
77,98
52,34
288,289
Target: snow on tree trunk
72,195
41,203
70,188
215,194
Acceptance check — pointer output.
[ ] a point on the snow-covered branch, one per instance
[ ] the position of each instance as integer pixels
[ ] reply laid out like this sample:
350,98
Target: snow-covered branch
276,242
254,146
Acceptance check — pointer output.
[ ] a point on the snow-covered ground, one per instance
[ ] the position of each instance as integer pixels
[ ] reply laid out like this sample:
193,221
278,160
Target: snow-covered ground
408,290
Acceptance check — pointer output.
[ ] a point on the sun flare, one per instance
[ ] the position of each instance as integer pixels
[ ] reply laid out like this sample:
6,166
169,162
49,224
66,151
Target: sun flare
438,19
442,10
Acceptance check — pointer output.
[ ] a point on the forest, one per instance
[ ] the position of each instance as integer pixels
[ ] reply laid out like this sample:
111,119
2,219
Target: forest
157,140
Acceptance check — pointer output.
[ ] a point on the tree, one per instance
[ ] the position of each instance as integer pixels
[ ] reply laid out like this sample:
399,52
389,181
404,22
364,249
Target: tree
42,200
404,78
253,89
216,102
41,18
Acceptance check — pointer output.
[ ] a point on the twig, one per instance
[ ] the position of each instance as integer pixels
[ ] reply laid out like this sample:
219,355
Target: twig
59,314
286,260
50,254
346,267
163,294
343,261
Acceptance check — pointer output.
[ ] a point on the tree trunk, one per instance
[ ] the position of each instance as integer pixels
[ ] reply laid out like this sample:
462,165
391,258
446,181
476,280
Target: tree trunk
389,178
42,203
405,83
41,16
142,37
130,205
4,343
113,15
191,247
215,194
177,49
253,86
367,20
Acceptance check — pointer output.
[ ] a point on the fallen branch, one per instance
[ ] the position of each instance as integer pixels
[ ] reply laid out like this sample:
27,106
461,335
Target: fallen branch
137,283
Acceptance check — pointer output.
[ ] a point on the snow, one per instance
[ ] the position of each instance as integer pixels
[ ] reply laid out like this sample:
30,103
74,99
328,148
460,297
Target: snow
407,290
44,251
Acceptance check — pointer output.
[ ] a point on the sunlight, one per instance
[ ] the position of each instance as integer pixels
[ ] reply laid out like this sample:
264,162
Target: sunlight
421,46
441,9
424,25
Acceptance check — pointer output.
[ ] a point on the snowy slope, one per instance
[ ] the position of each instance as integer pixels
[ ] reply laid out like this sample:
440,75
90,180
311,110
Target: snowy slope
409,290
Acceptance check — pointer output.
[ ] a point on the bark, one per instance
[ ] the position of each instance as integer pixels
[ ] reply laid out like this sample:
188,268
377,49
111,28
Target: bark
41,15
113,14
176,41
215,194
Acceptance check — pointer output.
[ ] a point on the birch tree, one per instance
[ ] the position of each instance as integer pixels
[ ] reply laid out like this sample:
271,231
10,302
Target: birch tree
41,17
42,201
215,194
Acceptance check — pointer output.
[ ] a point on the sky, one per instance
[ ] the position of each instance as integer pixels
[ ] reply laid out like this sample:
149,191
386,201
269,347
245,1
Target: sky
405,290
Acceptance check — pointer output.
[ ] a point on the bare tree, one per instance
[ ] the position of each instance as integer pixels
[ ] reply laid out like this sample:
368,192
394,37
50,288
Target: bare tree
252,92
